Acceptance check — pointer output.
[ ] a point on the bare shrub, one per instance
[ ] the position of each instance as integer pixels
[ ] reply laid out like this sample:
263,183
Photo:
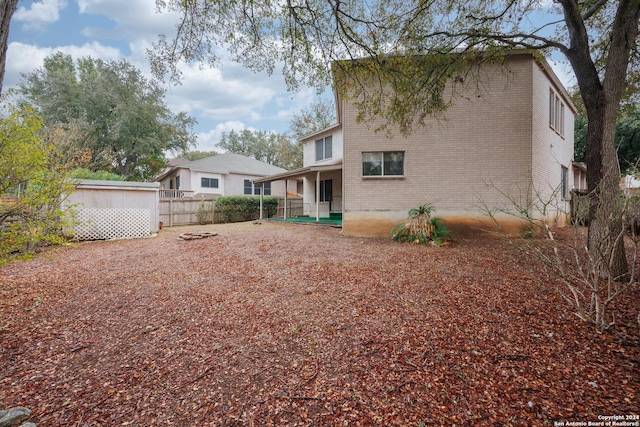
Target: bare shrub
584,272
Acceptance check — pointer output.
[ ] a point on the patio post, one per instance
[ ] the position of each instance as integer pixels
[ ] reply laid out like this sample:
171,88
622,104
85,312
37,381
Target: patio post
261,195
286,189
318,196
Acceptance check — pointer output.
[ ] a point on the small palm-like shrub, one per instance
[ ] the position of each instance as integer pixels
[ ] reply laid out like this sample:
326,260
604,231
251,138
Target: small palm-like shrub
422,228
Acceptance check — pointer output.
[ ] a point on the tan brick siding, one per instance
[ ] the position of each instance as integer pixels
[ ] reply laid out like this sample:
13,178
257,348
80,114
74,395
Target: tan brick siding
481,149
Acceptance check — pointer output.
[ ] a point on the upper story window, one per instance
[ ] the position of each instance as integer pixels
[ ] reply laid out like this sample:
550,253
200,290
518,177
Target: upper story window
387,163
209,182
324,148
556,112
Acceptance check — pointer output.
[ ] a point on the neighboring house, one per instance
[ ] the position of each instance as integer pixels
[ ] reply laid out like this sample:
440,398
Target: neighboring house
579,171
220,175
508,135
630,184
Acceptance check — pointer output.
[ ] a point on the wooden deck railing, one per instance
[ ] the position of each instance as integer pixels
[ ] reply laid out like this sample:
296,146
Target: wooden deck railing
175,194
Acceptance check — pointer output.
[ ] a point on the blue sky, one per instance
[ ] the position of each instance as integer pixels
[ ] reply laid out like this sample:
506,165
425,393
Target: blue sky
228,97
222,99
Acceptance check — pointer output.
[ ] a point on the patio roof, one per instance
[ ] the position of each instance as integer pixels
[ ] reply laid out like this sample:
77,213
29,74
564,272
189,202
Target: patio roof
299,173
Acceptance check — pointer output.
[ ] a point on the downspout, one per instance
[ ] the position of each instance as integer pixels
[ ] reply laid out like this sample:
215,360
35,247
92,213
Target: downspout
318,196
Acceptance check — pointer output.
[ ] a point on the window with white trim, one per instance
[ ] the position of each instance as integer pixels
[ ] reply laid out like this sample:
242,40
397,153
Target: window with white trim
324,148
256,189
564,182
383,163
556,112
209,182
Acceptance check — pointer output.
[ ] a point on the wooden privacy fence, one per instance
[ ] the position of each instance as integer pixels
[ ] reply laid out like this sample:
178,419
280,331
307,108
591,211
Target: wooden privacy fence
175,212
186,211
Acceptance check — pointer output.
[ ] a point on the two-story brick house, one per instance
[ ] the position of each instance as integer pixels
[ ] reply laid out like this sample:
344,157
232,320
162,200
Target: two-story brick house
508,134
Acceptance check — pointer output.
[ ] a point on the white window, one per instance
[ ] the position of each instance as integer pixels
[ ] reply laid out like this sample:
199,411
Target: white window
209,182
324,149
256,189
556,113
564,182
383,163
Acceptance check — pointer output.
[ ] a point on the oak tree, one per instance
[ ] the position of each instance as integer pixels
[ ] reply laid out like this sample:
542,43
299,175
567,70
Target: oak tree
269,147
128,127
316,117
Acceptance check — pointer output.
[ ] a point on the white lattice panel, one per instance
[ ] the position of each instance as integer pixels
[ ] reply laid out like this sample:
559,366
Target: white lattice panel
108,224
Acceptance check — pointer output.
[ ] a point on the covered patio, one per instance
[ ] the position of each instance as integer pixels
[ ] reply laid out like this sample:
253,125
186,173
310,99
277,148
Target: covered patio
333,220
325,208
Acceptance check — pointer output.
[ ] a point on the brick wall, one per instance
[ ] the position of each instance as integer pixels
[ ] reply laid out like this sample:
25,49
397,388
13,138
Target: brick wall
479,150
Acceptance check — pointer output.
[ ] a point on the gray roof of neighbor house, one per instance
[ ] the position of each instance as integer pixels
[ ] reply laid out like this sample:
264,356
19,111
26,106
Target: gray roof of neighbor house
234,163
227,163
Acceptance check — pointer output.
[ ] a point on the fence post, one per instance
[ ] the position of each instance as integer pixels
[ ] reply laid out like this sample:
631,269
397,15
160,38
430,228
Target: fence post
170,212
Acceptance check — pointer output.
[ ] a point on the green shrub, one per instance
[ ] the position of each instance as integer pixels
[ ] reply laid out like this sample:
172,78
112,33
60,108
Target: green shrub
245,208
422,228
204,214
33,186
83,173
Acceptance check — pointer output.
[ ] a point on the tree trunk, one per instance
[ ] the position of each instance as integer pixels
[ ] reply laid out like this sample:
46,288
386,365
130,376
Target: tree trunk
7,8
602,98
606,243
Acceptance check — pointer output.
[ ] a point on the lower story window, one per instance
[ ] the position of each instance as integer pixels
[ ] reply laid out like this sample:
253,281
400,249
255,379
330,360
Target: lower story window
209,182
383,163
256,190
564,183
326,190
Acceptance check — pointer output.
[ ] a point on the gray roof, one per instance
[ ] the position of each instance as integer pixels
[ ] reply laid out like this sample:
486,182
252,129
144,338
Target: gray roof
233,163
225,164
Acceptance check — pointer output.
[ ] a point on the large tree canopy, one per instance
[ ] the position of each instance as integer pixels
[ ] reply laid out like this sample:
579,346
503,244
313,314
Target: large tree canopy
598,38
318,116
269,147
127,126
307,36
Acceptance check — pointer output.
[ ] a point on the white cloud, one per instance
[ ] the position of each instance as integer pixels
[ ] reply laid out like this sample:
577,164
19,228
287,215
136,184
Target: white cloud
24,58
219,94
221,99
289,104
135,19
39,14
208,141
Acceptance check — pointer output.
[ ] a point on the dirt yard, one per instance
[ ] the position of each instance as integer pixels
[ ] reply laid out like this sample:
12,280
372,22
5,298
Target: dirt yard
290,325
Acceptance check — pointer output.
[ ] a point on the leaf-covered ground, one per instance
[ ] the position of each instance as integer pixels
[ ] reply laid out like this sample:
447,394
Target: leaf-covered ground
290,325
